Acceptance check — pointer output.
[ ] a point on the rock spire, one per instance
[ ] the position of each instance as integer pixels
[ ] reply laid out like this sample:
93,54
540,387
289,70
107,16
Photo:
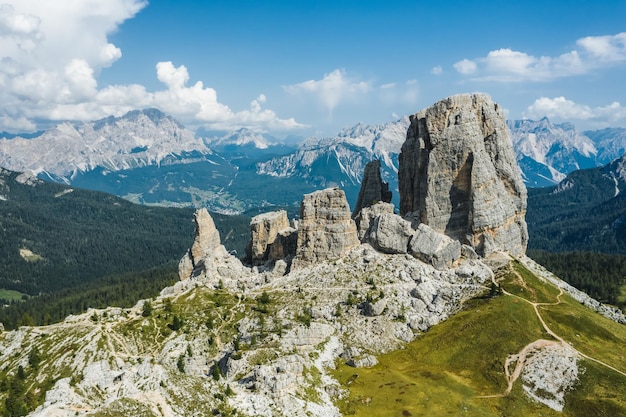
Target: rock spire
373,188
459,176
326,230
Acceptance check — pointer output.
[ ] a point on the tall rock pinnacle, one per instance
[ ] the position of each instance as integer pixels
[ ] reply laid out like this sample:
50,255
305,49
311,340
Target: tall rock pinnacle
459,176
373,188
326,230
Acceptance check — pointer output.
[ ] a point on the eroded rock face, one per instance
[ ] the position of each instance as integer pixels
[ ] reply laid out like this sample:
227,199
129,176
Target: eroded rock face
373,189
389,233
326,230
264,230
434,248
366,216
458,175
206,244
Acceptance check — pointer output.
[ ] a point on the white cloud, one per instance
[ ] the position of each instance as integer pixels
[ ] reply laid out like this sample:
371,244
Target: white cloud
507,65
436,70
52,55
561,108
607,48
465,66
333,88
19,124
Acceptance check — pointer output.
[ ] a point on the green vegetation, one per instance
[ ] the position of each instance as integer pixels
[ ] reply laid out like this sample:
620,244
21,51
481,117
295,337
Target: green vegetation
447,369
9,296
71,249
585,217
119,290
601,276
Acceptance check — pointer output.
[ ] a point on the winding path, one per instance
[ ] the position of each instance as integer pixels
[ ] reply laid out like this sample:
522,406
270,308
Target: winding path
520,358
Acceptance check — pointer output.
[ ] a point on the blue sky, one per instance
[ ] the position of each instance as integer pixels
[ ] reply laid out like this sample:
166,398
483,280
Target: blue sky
308,67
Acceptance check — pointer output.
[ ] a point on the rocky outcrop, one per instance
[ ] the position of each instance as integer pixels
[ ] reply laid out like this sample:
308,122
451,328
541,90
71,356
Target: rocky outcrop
206,244
373,189
366,216
326,230
434,248
284,246
458,175
389,233
264,231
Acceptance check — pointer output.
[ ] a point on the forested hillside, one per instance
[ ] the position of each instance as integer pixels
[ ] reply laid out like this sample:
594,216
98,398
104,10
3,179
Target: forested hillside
585,212
67,249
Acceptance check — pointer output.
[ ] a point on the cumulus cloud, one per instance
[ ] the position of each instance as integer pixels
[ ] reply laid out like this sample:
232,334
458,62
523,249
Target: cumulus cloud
334,88
465,66
436,70
564,109
507,65
52,55
607,48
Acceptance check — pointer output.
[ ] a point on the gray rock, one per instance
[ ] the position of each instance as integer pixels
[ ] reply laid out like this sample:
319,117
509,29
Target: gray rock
435,248
374,309
458,174
284,245
467,252
549,373
373,189
326,231
366,361
206,245
366,217
390,233
264,230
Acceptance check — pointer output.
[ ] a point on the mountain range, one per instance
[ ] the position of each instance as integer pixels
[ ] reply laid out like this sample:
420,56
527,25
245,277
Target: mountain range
332,315
150,158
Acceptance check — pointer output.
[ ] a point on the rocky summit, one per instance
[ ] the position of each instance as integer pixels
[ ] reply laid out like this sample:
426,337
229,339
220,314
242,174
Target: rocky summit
326,230
459,176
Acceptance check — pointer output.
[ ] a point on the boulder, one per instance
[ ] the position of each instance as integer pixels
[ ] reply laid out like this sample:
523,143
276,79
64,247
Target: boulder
458,174
389,233
373,188
264,230
434,248
326,230
366,217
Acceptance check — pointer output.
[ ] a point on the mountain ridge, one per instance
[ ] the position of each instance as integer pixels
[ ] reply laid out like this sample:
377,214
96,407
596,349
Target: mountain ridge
119,154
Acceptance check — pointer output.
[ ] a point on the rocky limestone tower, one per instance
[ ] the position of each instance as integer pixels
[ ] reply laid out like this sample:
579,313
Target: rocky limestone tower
458,175
263,231
326,231
206,244
271,238
373,189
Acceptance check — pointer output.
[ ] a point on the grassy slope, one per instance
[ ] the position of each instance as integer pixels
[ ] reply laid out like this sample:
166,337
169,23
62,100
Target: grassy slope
445,370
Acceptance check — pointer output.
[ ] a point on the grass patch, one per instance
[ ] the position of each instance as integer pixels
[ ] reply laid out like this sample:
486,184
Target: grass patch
444,371
10,295
589,332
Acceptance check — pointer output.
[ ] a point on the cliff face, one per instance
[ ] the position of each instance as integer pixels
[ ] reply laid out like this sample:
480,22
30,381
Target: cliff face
459,176
326,230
